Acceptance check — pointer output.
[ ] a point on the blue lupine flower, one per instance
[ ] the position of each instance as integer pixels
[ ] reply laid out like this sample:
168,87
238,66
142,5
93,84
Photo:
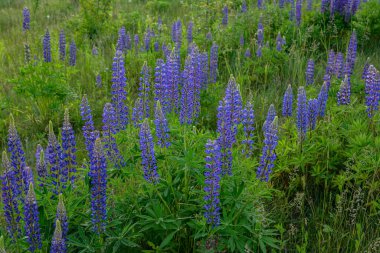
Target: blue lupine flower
225,136
268,156
41,168
69,148
98,175
269,119
159,84
38,151
27,175
136,41
162,127
73,54
281,3
225,15
292,11
310,72
339,62
142,108
312,113
235,104
244,6
177,33
241,41
61,218
190,32
171,75
324,5
260,33
247,53
88,128
109,129
147,40
372,90
309,5
9,198
287,103
259,4
302,119
94,51
122,41
58,244
298,12
62,45
365,69
98,81
248,121
54,155
47,47
192,81
351,55
344,93
148,158
212,183
156,46
213,63
259,52
209,36
327,80
119,94
26,20
330,63
322,100
17,157
279,42
32,226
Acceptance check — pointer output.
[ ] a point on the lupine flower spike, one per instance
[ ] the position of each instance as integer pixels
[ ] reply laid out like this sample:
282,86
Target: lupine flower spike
322,100
212,183
69,148
73,54
248,121
225,136
268,156
41,168
310,72
32,226
148,158
58,245
47,47
162,127
61,217
302,119
98,175
312,113
344,93
26,20
372,90
88,127
287,104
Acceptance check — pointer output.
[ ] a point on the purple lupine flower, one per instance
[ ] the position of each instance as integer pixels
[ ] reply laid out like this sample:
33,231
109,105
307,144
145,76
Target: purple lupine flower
156,46
88,128
148,158
269,119
69,148
351,55
309,5
73,54
136,41
9,198
339,62
287,103
247,53
298,12
330,63
260,33
248,121
212,183
147,40
159,24
279,42
109,129
225,136
310,72
260,4
324,5
58,244
244,6
162,127
27,175
171,75
234,101
142,108
322,100
159,84
365,69
190,32
98,81
177,33
268,156
41,168
98,175
128,41
259,52
61,217
54,155
122,43
302,119
372,90
241,41
190,97
38,151
26,20
292,11
327,80
344,93
312,113
281,3
119,93
62,45
17,157
225,15
47,47
32,226
95,51
213,63
209,36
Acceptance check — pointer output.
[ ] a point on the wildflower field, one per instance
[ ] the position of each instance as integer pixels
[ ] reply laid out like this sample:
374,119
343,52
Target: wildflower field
190,126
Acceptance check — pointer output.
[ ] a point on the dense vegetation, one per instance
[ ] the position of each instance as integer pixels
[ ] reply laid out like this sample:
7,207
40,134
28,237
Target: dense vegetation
190,126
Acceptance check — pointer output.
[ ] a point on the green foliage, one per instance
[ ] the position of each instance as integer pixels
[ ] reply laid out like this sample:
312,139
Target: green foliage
367,22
